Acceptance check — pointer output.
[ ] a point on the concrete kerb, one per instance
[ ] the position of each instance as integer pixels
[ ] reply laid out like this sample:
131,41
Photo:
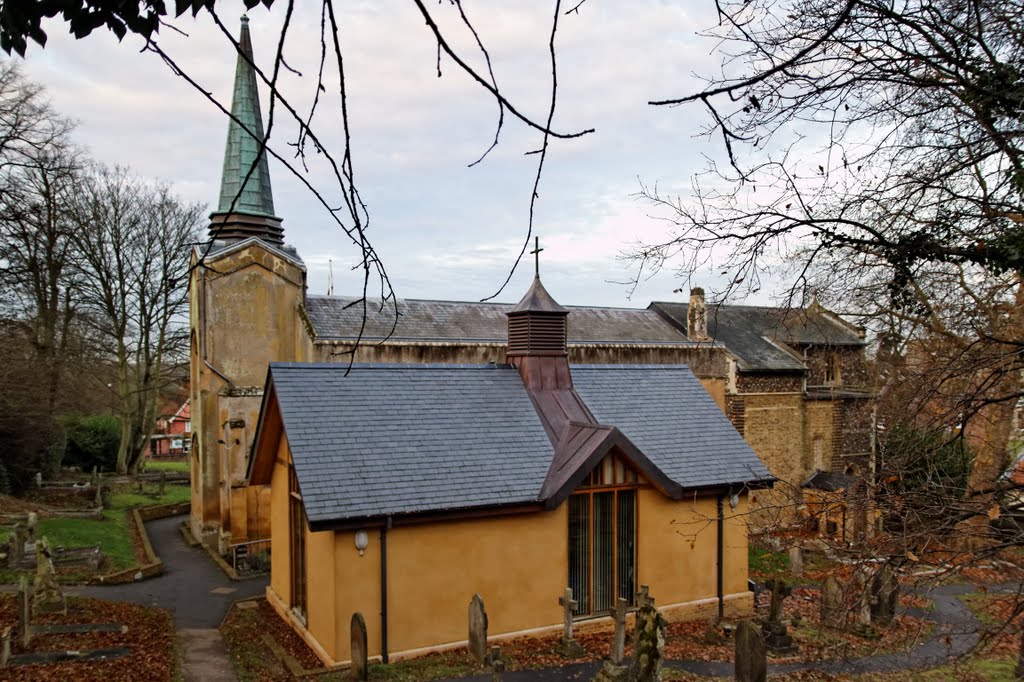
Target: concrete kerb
153,566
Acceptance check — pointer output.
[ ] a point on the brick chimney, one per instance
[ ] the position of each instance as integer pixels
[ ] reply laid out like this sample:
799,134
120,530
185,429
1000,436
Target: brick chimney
697,316
537,339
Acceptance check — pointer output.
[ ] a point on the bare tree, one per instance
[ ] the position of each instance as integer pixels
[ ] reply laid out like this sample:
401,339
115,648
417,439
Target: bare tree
135,240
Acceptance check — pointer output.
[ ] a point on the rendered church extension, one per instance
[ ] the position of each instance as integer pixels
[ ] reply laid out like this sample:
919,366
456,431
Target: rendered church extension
400,490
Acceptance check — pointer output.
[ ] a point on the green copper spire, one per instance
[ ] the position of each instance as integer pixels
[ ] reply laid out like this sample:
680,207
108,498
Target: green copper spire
252,213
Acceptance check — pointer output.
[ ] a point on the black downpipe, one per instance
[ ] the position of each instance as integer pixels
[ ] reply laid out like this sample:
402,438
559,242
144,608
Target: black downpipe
721,555
384,591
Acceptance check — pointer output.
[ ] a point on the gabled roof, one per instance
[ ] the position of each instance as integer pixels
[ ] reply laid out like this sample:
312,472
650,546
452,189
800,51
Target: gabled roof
390,440
761,337
338,318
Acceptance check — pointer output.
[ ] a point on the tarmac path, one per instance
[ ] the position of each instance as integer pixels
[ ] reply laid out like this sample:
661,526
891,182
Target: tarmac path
196,591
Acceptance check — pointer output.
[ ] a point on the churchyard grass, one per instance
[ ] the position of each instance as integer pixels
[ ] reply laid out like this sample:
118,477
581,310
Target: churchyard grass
168,466
113,534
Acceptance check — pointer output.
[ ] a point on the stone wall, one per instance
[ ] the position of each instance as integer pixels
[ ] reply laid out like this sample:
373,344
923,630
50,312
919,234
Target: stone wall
769,382
853,371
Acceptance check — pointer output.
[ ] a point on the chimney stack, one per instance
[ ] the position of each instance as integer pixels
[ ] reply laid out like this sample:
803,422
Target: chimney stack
697,316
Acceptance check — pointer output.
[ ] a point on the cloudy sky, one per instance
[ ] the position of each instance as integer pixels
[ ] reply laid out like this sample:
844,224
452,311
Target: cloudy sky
443,229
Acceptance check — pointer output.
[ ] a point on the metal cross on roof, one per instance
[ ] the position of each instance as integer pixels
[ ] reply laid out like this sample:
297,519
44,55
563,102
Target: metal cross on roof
536,256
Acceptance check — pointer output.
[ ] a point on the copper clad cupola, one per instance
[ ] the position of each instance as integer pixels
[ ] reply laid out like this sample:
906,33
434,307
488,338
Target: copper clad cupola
537,339
537,324
246,206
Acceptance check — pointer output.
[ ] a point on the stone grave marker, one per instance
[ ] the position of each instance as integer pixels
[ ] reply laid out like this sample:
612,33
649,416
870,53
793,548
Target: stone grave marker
796,560
497,665
648,643
48,596
645,598
360,662
33,521
831,603
884,595
478,629
5,647
16,547
862,590
613,668
163,482
568,646
776,635
24,614
751,653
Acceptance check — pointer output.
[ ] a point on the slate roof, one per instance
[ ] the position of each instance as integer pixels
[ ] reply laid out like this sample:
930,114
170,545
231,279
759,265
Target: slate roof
394,439
336,318
666,412
759,336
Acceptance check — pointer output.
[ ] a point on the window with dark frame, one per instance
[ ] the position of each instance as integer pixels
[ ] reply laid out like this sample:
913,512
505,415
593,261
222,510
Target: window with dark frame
602,537
297,519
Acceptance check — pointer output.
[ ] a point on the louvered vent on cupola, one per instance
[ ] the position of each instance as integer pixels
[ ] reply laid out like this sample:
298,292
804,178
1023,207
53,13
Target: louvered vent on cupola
537,324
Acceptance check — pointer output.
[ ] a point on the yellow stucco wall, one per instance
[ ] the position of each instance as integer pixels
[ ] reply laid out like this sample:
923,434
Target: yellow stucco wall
280,542
518,564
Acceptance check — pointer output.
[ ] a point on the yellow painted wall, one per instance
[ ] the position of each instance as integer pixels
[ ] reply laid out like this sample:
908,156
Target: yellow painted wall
518,564
280,549
677,545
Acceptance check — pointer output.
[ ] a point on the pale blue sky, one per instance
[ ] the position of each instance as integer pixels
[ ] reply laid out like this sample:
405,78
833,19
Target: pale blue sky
443,230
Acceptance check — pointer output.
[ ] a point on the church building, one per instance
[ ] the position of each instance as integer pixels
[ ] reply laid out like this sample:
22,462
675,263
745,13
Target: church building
401,490
793,382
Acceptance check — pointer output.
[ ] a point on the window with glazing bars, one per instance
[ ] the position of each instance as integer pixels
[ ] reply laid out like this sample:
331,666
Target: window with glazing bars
602,548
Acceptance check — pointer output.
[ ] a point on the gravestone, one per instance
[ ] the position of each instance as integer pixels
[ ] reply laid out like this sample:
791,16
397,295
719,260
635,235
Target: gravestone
862,605
33,521
568,646
163,482
5,647
497,665
16,547
751,653
613,668
645,598
360,664
776,636
24,614
478,629
831,603
648,643
95,476
47,594
884,595
796,560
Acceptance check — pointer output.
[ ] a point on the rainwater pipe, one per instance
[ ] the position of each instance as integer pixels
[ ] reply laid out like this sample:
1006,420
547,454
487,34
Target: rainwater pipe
384,590
721,556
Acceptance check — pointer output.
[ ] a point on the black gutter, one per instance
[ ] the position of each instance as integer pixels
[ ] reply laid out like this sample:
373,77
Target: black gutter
384,591
721,555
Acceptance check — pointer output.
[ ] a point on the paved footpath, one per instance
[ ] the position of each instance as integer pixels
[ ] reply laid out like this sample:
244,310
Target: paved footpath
195,590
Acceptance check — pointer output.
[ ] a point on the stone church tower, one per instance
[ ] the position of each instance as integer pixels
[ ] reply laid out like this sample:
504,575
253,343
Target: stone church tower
245,289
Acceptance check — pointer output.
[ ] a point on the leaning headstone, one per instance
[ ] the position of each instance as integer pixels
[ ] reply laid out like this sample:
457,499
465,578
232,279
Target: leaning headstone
497,665
648,644
360,667
776,636
831,603
613,669
751,653
48,596
796,560
24,614
568,646
478,629
884,596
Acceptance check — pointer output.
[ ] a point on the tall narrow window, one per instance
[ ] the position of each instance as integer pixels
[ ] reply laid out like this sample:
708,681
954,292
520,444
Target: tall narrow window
602,538
297,518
